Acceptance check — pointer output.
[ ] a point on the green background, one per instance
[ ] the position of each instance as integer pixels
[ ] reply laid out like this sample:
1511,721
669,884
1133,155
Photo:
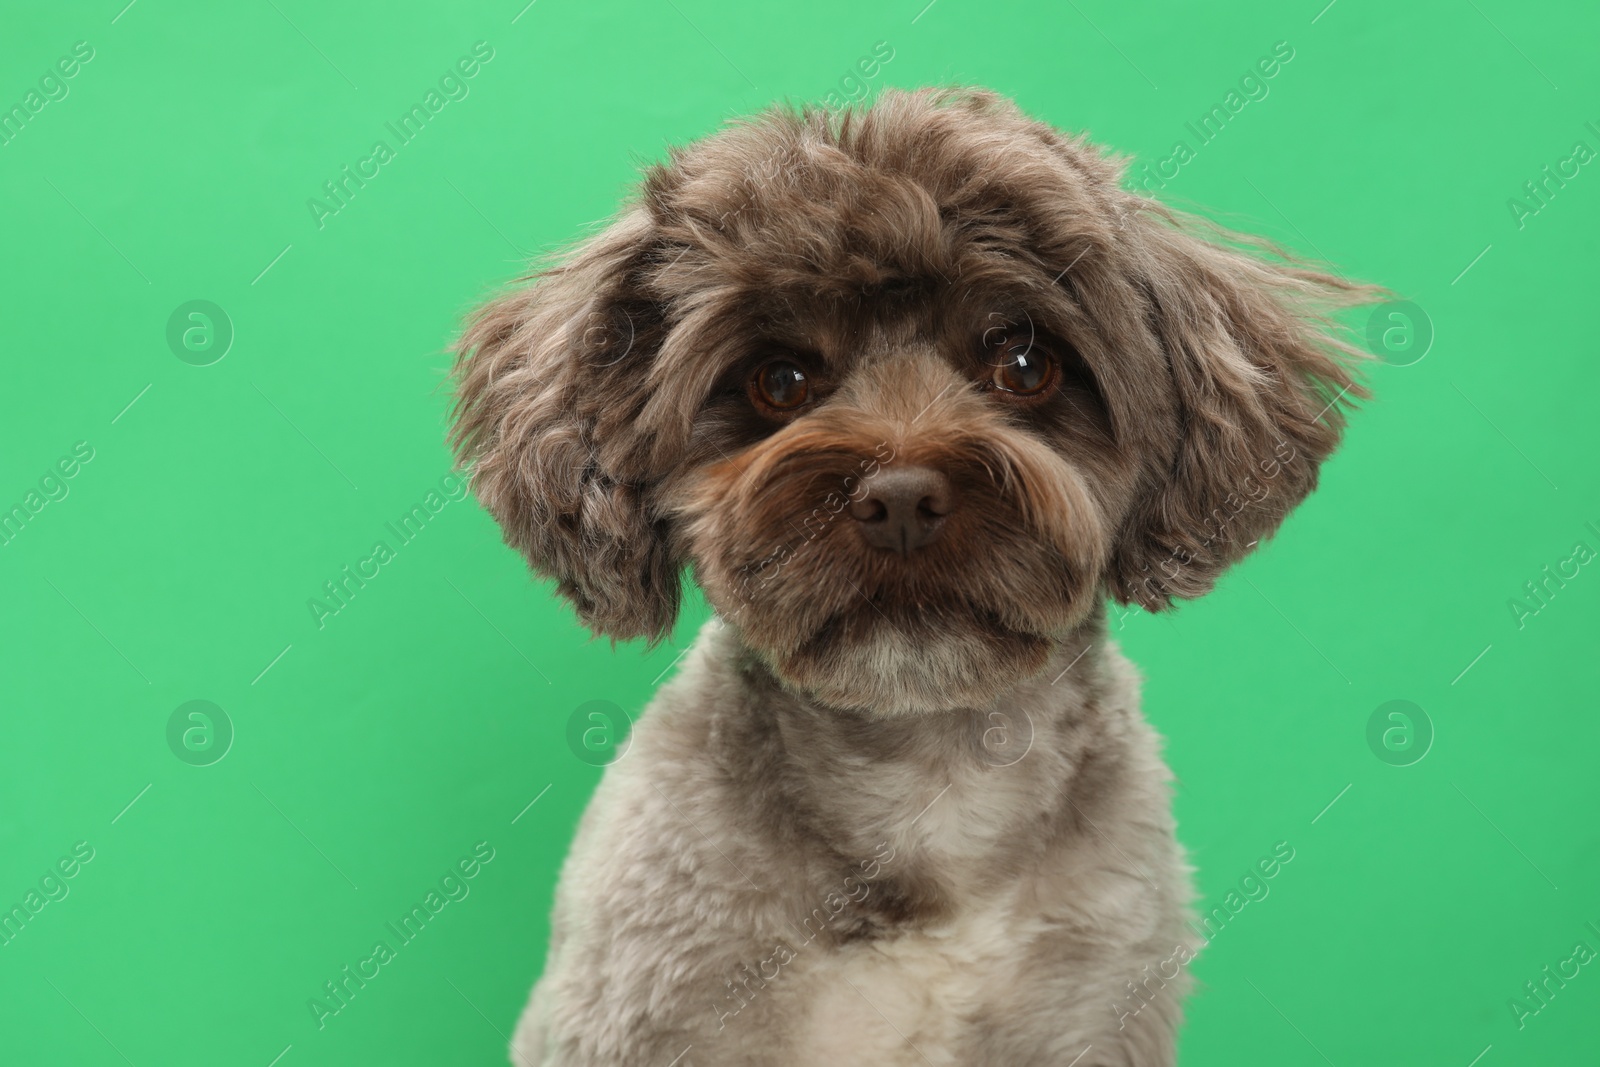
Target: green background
372,753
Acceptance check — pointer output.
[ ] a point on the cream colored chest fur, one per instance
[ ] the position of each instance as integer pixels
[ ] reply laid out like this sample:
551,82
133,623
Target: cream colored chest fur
906,1001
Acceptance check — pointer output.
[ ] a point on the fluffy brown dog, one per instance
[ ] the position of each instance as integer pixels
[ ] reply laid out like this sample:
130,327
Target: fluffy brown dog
913,389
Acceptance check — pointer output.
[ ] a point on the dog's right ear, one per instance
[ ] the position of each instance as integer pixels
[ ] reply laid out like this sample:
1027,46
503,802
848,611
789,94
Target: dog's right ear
550,378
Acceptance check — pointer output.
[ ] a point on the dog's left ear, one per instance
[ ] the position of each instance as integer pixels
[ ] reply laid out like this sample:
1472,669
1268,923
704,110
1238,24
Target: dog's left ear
1259,370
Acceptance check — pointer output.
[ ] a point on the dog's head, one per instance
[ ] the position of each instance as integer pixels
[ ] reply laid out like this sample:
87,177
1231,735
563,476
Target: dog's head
912,389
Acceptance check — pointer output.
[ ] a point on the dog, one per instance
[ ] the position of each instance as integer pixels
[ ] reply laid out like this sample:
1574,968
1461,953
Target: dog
915,390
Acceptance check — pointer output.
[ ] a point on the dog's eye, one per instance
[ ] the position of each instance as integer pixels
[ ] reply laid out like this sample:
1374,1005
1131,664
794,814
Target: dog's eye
780,386
1021,368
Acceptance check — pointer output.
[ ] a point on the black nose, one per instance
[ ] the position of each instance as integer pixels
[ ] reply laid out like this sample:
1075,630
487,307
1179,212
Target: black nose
902,508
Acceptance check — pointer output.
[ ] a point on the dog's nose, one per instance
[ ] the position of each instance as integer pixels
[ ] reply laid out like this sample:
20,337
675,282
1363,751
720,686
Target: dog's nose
902,508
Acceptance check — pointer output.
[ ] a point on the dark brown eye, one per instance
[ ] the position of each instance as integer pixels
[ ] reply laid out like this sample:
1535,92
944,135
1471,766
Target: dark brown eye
780,386
1022,368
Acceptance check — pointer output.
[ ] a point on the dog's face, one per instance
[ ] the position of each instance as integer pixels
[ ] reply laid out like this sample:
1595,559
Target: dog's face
911,389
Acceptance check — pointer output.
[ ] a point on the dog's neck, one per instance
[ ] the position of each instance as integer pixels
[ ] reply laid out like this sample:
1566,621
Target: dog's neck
967,786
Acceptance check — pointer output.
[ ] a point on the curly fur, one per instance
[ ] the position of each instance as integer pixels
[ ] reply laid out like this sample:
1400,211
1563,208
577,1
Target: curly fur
842,702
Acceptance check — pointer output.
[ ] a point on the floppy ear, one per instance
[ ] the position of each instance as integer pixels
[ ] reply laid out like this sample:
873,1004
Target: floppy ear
1259,371
549,378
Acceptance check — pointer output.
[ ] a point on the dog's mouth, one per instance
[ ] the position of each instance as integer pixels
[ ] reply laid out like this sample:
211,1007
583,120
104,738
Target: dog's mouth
899,647
879,622
900,661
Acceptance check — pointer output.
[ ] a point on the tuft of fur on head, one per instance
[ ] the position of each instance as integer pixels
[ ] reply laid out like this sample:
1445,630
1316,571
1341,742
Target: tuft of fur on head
601,403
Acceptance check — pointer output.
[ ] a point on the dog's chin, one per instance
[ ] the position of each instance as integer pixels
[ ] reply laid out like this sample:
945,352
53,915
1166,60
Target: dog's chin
907,664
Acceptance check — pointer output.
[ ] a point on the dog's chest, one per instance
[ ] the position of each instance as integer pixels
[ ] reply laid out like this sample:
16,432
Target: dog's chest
907,1000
